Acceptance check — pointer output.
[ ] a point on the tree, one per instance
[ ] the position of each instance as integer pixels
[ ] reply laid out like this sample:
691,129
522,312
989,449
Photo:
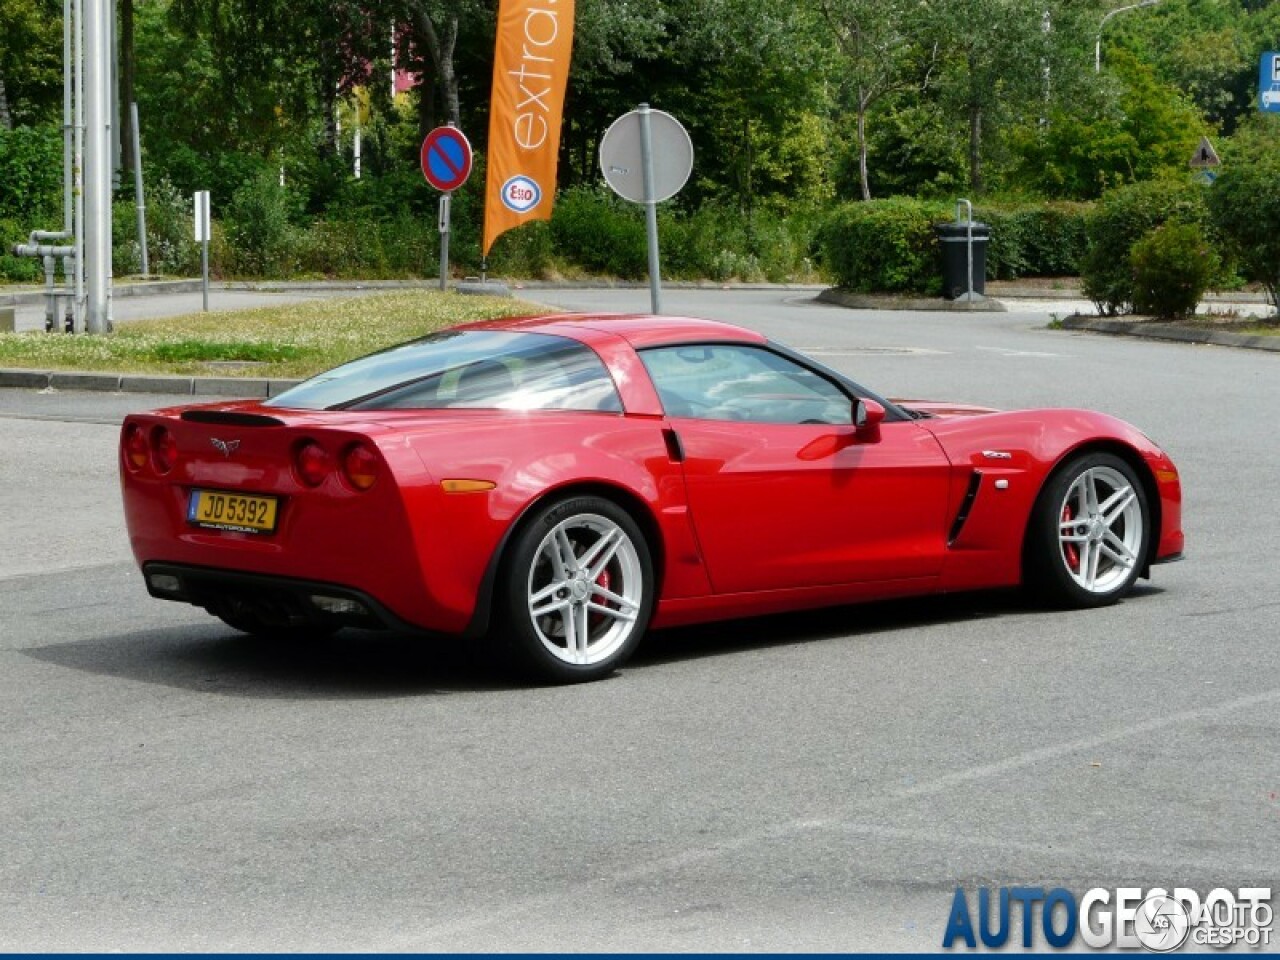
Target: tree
1002,60
1245,202
30,60
879,43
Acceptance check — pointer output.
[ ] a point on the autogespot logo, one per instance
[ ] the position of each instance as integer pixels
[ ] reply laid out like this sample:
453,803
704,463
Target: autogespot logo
1127,918
521,194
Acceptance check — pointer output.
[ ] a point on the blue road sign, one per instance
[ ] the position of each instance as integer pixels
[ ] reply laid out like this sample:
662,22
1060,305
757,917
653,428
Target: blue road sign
1269,83
446,158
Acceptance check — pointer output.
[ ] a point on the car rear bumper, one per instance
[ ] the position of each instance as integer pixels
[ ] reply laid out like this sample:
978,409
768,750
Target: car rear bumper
275,598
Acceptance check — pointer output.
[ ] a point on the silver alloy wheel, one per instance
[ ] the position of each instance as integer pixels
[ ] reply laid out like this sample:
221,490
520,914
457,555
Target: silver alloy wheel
585,589
1100,530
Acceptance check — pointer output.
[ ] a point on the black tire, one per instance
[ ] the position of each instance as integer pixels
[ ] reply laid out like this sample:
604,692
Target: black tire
533,642
1059,571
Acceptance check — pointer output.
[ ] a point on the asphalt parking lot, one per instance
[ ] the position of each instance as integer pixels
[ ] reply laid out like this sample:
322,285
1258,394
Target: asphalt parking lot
809,782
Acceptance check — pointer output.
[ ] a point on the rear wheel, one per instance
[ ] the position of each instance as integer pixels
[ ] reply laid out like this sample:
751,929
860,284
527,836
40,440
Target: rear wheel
1089,532
578,590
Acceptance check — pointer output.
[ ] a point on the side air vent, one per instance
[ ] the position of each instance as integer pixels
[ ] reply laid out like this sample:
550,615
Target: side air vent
231,419
966,505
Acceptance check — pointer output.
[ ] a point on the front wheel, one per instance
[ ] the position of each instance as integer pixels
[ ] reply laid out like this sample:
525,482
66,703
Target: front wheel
1089,532
578,590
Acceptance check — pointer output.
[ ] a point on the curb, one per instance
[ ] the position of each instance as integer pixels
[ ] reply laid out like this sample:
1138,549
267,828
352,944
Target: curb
157,288
861,301
144,383
1148,330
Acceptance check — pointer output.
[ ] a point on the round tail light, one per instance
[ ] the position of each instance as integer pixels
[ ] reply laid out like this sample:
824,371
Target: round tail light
312,464
164,449
360,465
136,451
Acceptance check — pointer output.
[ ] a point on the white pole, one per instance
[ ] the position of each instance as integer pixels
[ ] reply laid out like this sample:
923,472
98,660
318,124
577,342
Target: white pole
355,150
97,163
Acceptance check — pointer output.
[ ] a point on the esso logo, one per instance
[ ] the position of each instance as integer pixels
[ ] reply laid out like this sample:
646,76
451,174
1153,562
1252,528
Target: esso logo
521,194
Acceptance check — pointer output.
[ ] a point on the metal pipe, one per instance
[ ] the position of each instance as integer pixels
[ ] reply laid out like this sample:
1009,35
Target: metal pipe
97,163
140,198
68,80
1097,46
50,303
650,208
41,250
79,306
113,78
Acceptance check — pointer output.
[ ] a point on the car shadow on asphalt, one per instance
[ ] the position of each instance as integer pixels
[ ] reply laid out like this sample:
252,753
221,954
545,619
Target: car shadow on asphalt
352,665
358,664
850,621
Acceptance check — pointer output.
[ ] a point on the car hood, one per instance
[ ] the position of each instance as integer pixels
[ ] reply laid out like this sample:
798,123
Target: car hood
940,408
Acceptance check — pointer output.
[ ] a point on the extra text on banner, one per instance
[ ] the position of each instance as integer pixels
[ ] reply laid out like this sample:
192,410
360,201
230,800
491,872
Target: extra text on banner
530,72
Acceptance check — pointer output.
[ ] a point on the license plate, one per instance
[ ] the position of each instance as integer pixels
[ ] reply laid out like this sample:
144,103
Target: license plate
232,511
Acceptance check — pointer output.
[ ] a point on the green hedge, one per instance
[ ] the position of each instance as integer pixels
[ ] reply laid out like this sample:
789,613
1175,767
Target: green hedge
885,246
890,246
1035,240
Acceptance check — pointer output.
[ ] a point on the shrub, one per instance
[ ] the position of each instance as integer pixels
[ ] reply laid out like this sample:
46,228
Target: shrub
1122,218
1173,265
259,226
885,246
1035,240
171,246
600,232
31,176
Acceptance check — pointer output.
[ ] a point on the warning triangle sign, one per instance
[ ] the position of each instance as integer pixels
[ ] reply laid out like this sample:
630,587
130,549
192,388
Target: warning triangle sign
1205,156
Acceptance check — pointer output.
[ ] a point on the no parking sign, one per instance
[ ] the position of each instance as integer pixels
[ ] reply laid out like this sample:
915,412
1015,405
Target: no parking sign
446,158
446,163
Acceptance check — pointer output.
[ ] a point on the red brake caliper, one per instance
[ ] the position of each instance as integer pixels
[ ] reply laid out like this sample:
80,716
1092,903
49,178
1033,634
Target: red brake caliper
603,581
1073,555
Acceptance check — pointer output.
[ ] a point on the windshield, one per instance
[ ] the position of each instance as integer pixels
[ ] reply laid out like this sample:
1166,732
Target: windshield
465,368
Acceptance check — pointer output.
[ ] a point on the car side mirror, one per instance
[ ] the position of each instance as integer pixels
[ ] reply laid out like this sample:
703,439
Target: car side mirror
867,417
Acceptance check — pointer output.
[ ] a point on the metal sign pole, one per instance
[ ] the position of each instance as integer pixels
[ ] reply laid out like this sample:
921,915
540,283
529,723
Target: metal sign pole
650,208
968,246
444,241
140,200
203,228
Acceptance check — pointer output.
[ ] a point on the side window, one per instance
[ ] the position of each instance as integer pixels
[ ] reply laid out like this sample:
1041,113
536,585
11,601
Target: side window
735,382
550,373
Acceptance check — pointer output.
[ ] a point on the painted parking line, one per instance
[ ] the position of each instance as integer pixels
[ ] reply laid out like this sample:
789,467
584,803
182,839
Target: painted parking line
1006,352
870,351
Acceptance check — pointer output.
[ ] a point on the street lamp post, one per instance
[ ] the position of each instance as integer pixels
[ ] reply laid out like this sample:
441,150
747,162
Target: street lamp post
1097,47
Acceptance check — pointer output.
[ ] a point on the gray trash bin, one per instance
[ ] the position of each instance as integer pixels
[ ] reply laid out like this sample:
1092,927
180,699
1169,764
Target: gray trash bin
954,237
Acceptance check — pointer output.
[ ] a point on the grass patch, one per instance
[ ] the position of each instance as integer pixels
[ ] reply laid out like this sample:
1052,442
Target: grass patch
293,340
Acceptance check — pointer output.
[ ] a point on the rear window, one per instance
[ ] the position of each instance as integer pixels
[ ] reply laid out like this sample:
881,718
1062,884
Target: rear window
465,368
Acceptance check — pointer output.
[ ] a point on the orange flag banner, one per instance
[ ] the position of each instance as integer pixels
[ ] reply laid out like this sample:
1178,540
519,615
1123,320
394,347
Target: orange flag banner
530,71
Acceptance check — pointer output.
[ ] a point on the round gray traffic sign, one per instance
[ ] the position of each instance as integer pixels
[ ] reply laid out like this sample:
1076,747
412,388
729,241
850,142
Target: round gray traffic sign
621,158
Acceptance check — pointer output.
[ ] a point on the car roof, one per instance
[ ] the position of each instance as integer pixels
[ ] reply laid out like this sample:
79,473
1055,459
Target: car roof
640,330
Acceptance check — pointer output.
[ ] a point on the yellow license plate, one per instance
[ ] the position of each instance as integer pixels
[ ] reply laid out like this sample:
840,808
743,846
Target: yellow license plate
232,511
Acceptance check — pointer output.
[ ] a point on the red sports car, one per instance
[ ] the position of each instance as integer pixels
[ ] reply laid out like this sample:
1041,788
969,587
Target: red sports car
562,483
